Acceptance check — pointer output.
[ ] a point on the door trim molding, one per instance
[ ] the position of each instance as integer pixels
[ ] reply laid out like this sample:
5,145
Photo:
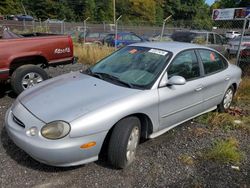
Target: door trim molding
156,134
182,109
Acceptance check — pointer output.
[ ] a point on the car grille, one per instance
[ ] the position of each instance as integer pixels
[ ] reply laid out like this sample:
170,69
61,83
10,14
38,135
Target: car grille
18,121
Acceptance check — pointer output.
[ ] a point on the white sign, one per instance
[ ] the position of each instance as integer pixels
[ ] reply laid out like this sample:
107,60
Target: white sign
159,52
223,14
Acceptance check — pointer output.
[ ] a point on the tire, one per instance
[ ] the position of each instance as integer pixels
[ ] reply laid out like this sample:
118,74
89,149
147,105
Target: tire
227,100
126,133
27,76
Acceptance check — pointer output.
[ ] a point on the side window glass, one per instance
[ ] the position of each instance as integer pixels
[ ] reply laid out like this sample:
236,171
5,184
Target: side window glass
185,65
126,37
135,38
212,61
218,39
211,38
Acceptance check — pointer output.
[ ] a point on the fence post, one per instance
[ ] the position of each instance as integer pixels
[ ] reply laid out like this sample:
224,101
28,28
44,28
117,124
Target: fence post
163,26
33,25
116,28
24,25
241,39
85,29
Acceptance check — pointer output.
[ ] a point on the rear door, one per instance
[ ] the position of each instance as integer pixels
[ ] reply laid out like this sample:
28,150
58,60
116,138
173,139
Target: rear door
215,78
180,102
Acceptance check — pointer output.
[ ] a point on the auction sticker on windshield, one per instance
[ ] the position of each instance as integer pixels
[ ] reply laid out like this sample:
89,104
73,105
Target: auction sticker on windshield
159,52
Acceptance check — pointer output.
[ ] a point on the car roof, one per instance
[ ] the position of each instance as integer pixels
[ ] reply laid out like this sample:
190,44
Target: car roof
192,31
124,32
174,47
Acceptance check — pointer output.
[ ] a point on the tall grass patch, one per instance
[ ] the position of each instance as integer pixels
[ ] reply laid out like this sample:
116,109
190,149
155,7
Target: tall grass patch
225,151
91,54
243,93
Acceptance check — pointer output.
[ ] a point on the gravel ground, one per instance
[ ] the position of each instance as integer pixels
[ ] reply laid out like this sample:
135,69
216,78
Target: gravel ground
158,162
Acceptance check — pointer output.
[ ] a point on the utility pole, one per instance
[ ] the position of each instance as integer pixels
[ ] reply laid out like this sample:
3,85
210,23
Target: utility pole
116,31
114,11
24,10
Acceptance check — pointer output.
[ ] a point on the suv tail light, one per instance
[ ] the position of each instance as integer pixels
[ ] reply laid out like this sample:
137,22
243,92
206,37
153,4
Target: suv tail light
71,45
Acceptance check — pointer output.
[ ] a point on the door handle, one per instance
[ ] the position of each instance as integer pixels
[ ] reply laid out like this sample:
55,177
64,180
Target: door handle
227,78
199,89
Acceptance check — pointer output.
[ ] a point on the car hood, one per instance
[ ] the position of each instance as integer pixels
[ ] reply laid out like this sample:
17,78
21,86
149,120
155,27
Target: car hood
70,96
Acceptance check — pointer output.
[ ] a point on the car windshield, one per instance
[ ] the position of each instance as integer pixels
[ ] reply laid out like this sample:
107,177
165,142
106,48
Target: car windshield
135,66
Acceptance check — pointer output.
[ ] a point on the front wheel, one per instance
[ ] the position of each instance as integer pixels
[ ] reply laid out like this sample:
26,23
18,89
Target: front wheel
124,141
27,76
227,100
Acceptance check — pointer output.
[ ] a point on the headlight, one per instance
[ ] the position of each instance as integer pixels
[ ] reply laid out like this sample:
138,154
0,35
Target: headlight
55,130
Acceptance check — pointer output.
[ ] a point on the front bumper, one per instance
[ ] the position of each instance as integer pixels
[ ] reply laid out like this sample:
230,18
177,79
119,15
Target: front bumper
62,152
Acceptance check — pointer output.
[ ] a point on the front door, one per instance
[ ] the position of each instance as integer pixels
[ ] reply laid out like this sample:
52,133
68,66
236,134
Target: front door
180,102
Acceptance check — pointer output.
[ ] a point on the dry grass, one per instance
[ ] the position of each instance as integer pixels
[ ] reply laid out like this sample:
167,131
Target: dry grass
225,121
225,151
228,121
186,159
90,54
243,93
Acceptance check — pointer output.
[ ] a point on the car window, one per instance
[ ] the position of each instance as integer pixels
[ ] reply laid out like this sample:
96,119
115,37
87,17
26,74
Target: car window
139,66
126,37
218,39
93,35
186,65
135,38
212,62
211,38
200,38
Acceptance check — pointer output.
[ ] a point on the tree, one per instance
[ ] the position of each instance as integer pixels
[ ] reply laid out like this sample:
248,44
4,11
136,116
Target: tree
8,7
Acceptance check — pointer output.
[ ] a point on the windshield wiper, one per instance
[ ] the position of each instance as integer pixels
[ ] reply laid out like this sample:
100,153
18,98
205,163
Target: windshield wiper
89,72
103,75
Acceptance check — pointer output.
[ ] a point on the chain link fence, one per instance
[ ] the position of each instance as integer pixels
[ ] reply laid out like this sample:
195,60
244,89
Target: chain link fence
230,31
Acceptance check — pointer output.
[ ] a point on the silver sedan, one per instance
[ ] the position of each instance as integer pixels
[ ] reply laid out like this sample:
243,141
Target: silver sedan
140,91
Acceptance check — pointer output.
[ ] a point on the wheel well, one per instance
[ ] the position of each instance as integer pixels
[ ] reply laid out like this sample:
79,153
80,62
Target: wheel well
146,130
34,60
234,86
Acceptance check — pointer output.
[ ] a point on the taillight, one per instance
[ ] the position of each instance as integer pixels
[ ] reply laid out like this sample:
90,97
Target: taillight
71,44
117,37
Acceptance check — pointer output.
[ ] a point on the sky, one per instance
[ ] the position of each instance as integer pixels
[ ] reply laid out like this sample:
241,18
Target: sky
209,2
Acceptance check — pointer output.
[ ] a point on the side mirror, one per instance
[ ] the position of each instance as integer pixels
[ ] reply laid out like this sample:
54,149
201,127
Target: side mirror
177,80
174,80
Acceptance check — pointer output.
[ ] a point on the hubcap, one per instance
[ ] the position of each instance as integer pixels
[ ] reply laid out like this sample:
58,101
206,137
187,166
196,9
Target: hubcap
132,144
31,79
228,98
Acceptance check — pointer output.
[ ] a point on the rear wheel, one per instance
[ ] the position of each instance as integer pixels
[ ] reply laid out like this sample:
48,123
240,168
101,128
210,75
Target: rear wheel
227,100
124,141
27,76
